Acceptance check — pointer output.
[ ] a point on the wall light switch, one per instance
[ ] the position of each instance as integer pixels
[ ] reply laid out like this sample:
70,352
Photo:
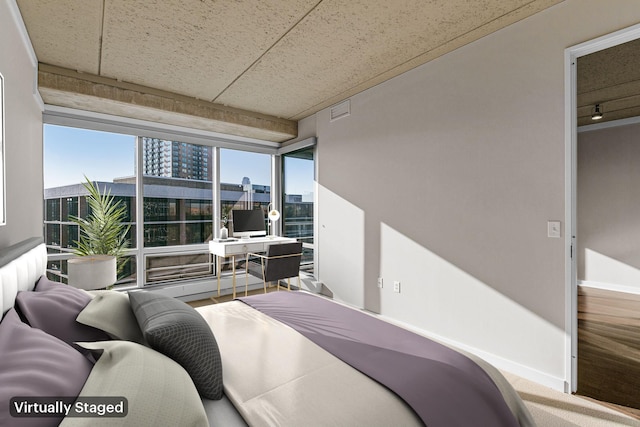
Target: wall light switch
380,282
553,229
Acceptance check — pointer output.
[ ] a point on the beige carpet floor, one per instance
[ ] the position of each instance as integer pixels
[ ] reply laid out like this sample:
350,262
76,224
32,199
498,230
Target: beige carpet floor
551,408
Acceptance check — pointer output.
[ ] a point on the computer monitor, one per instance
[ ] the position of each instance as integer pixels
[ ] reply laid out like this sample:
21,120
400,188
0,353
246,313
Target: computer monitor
248,223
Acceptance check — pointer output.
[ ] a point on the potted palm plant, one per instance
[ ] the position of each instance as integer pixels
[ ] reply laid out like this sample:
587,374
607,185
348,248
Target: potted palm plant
102,240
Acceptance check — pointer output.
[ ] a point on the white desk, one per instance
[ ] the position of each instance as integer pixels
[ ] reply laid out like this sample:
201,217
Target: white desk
231,248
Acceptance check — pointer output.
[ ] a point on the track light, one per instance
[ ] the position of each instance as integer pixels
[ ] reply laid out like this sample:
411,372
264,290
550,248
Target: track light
597,114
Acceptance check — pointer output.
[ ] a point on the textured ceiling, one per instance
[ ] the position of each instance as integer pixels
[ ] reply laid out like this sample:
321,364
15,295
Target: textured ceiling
273,61
611,78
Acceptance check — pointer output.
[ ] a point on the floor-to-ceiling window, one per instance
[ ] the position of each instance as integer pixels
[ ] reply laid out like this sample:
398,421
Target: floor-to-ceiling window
298,201
167,188
165,185
72,156
177,209
245,182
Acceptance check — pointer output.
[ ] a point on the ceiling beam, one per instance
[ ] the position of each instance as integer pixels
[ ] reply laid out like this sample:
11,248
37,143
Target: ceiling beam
69,88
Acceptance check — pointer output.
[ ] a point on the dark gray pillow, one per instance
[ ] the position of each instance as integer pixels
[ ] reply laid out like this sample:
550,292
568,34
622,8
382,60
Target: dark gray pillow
53,308
175,329
34,364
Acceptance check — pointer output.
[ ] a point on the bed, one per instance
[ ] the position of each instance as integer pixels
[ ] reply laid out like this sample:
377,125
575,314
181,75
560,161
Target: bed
284,358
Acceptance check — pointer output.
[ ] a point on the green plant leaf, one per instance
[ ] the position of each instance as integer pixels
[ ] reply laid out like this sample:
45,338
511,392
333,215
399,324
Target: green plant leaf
103,231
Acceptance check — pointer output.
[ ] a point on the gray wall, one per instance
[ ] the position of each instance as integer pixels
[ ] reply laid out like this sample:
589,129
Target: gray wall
444,179
609,206
23,132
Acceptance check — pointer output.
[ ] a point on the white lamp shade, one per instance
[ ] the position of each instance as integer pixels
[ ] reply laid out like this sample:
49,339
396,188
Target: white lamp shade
274,215
92,271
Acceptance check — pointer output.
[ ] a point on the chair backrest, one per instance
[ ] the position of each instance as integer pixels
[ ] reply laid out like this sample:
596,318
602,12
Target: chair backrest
283,261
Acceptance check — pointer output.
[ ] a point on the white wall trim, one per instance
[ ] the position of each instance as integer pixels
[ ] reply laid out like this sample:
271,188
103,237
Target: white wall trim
610,286
571,321
571,150
499,362
24,35
26,41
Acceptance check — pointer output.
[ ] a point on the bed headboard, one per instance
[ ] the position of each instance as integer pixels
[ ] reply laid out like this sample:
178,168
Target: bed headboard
21,265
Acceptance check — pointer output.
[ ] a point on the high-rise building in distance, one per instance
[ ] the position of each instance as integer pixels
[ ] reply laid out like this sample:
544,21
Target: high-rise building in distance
174,159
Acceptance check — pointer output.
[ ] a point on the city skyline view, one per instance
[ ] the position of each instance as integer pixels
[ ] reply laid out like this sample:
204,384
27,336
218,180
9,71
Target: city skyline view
177,197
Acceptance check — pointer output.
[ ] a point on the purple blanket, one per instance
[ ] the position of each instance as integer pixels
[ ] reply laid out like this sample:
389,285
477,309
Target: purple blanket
444,387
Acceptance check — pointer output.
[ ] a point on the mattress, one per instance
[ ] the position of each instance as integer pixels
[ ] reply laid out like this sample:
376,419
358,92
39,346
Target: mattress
275,376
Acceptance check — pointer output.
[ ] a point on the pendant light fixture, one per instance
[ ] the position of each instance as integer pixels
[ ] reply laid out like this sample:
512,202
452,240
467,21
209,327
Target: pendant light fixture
597,113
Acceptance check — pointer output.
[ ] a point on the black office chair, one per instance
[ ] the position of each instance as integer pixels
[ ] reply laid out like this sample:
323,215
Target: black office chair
281,261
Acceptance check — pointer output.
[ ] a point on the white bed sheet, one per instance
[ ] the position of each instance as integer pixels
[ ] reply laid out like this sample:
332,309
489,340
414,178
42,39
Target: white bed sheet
276,377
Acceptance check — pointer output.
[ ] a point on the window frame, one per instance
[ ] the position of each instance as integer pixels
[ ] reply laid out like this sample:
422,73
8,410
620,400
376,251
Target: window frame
61,116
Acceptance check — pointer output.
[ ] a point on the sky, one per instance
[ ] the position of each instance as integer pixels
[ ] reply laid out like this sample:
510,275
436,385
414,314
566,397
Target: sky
72,153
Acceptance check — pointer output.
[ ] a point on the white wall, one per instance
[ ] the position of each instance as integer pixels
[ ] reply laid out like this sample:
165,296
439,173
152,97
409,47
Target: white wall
454,169
609,206
23,131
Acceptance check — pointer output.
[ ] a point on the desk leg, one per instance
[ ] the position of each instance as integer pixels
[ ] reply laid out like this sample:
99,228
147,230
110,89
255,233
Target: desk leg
218,262
233,260
246,274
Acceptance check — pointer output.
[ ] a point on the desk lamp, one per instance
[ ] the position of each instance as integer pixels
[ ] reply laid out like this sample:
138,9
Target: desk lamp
273,216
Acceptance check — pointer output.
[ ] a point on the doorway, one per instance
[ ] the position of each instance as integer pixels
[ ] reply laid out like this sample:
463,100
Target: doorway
581,105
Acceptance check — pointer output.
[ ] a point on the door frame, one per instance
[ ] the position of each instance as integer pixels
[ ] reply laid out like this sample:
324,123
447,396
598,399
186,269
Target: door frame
571,152
308,143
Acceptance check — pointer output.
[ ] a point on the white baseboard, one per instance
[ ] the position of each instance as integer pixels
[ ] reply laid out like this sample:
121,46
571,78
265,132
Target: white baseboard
501,363
610,286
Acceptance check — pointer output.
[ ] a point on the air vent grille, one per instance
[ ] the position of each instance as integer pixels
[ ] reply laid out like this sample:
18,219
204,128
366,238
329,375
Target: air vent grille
341,110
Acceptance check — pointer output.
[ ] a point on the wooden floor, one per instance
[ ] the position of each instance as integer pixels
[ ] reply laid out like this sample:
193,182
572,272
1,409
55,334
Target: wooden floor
609,347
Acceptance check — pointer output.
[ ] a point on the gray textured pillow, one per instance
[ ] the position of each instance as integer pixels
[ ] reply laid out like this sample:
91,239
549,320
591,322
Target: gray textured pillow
175,329
34,364
110,311
158,390
53,308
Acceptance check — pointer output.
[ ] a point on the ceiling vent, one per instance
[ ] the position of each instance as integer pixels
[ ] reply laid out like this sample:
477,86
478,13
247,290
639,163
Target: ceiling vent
341,110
